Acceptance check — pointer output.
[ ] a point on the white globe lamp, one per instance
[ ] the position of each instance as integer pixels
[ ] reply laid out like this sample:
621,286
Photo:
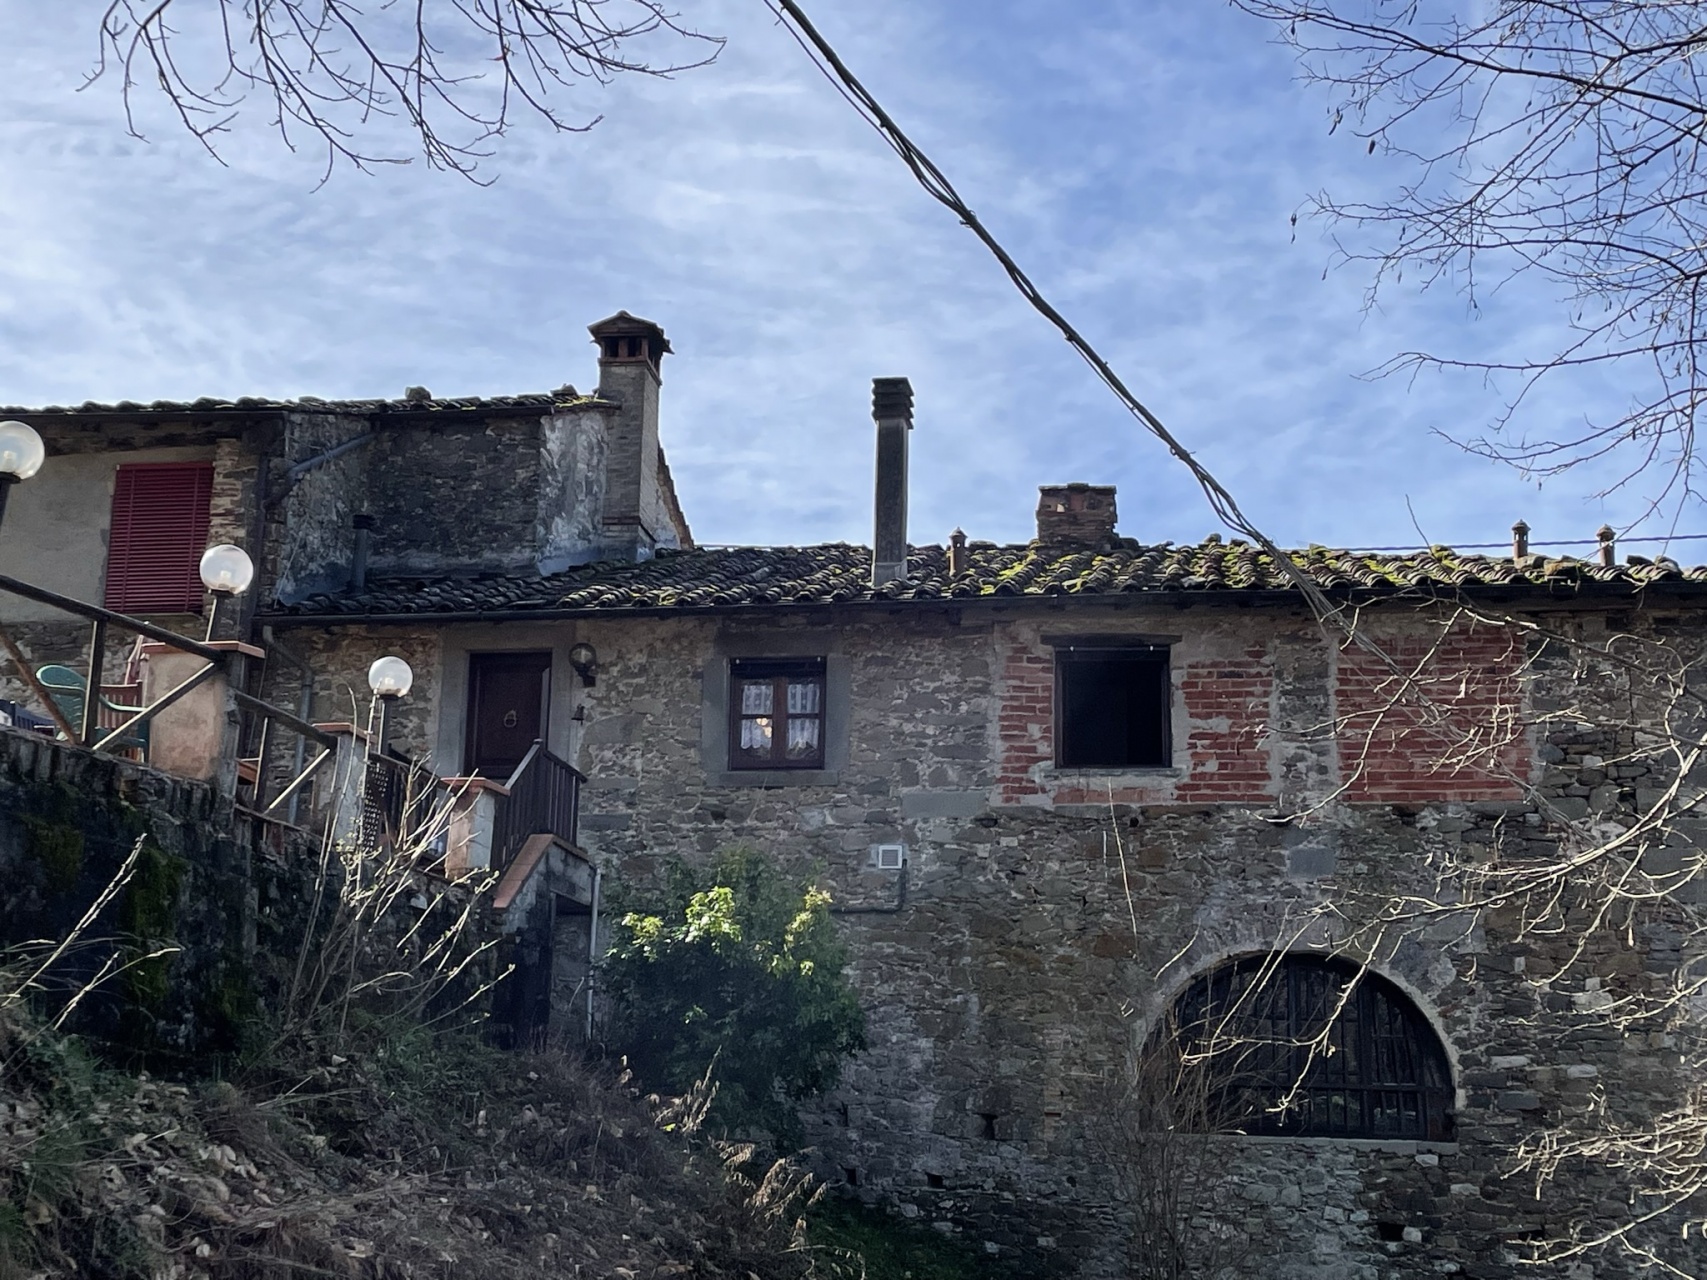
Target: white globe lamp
21,456
227,570
390,679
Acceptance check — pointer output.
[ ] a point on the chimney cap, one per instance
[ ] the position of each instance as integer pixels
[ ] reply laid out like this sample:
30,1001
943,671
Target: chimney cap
626,339
892,398
623,325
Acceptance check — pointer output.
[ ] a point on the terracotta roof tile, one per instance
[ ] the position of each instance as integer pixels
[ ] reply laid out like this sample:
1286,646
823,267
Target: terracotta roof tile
836,573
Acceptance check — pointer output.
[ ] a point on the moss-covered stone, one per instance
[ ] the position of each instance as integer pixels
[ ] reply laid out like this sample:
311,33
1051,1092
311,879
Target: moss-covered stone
147,914
58,847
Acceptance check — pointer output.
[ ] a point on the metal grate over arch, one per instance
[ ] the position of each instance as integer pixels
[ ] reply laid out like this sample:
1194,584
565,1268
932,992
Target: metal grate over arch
1310,1046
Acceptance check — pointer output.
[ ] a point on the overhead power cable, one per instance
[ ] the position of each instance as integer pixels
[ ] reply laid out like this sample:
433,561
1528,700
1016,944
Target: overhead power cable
940,189
937,185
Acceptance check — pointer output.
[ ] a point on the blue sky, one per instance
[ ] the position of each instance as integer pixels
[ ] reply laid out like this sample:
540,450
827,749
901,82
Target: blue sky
1142,159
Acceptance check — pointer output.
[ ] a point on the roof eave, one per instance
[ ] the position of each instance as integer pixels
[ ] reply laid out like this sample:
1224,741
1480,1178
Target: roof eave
333,409
1599,595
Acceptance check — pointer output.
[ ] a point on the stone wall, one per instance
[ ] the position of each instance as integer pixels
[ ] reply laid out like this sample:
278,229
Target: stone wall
69,818
338,662
454,496
575,452
447,496
195,954
310,535
1046,918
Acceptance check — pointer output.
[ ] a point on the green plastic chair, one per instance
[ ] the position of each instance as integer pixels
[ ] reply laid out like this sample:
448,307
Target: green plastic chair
67,689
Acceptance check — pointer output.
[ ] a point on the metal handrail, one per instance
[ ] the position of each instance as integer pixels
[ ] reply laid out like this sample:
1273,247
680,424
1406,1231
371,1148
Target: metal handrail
270,717
91,732
95,613
527,761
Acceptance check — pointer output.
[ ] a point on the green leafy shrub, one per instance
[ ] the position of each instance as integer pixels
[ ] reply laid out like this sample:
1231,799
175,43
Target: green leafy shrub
741,968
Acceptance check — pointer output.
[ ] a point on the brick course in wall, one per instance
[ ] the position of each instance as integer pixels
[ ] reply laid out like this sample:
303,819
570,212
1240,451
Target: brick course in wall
1434,716
1227,714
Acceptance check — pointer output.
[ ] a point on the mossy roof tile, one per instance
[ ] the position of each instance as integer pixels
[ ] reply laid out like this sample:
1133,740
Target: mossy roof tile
836,573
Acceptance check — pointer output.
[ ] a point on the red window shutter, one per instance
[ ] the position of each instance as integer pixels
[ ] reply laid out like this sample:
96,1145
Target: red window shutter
159,531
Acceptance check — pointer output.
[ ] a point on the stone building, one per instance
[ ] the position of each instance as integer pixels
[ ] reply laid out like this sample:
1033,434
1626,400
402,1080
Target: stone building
1060,791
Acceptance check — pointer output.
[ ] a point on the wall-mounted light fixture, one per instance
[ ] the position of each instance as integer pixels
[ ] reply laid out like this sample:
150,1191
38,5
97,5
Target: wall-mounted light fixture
21,456
390,678
585,659
226,571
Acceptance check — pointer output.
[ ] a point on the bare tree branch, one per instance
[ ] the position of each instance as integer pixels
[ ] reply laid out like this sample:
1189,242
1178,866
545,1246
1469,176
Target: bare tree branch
455,74
1561,139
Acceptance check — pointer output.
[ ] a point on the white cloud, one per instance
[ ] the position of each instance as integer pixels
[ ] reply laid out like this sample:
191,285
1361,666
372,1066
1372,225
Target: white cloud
1143,160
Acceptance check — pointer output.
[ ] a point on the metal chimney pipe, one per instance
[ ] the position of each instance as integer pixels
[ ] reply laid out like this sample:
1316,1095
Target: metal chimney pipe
892,409
358,557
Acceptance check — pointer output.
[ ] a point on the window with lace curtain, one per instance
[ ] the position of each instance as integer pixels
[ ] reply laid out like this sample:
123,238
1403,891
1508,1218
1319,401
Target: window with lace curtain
776,713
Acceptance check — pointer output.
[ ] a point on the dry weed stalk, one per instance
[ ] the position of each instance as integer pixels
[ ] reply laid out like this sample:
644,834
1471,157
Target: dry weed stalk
1156,1135
386,930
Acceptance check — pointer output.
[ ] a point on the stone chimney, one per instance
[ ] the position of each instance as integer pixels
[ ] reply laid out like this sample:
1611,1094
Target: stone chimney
892,407
1075,515
631,355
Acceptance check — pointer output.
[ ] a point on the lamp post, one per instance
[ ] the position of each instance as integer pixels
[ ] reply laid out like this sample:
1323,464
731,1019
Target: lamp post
21,456
226,571
390,679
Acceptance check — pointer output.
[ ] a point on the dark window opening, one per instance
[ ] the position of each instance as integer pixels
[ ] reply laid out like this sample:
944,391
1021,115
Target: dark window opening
1307,1046
776,713
935,1181
1112,708
1392,1232
852,1175
989,1126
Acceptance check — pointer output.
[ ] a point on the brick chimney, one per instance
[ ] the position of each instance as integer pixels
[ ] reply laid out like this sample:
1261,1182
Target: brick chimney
1075,515
631,355
892,408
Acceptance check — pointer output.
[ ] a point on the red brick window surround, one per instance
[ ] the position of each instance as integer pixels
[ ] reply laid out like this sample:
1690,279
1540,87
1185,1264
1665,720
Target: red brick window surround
157,536
776,713
1112,707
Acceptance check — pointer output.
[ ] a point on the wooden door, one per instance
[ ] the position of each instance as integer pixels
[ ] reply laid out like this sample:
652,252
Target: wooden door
508,701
